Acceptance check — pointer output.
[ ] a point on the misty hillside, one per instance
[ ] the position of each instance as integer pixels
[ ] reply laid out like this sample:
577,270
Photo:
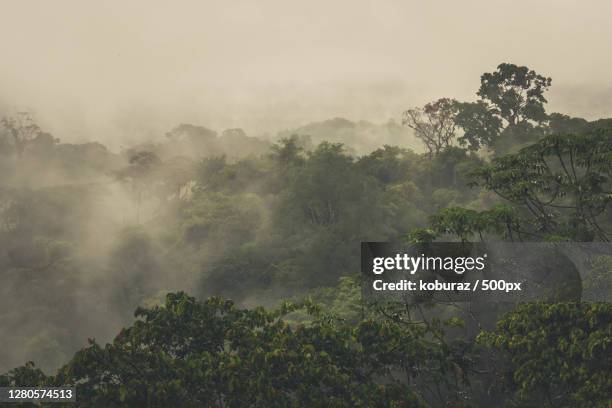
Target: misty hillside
210,256
361,137
198,141
52,161
316,204
75,217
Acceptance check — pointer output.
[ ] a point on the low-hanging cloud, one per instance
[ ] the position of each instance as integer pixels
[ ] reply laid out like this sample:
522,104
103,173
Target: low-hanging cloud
122,72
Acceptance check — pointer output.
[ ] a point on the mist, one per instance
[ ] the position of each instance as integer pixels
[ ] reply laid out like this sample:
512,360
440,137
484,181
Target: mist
142,106
123,73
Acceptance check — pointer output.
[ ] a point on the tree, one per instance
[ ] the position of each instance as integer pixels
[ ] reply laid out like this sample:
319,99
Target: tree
559,354
451,169
510,110
560,123
559,188
176,174
516,93
211,353
192,133
142,174
326,187
434,124
391,164
481,127
561,184
21,129
288,151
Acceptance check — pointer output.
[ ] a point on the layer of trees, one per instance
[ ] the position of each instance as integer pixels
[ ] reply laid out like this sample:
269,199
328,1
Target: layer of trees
285,222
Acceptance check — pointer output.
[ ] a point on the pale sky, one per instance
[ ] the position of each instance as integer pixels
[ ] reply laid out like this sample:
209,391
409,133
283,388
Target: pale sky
119,71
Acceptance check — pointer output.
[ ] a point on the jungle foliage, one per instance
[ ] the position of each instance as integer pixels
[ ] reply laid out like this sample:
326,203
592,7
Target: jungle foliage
243,224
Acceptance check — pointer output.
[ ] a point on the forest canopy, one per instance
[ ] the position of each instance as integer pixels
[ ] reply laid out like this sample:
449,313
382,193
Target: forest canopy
240,257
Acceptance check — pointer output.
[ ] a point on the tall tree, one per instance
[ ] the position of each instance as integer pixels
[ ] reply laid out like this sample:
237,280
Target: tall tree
142,174
562,184
434,124
559,188
516,93
510,111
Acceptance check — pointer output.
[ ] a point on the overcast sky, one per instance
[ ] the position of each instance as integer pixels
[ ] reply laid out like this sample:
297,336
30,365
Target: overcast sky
123,70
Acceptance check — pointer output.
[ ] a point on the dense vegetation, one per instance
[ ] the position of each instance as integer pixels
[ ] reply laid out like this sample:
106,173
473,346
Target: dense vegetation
88,236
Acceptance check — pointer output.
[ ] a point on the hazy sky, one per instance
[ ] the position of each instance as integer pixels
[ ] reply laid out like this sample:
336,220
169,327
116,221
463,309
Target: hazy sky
122,70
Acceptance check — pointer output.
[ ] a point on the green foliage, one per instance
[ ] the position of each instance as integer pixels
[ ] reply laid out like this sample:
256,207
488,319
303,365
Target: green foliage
516,93
510,111
559,354
343,301
288,152
326,188
216,174
391,164
25,376
559,123
598,283
230,219
561,184
467,224
302,218
480,126
236,216
458,221
211,353
451,167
